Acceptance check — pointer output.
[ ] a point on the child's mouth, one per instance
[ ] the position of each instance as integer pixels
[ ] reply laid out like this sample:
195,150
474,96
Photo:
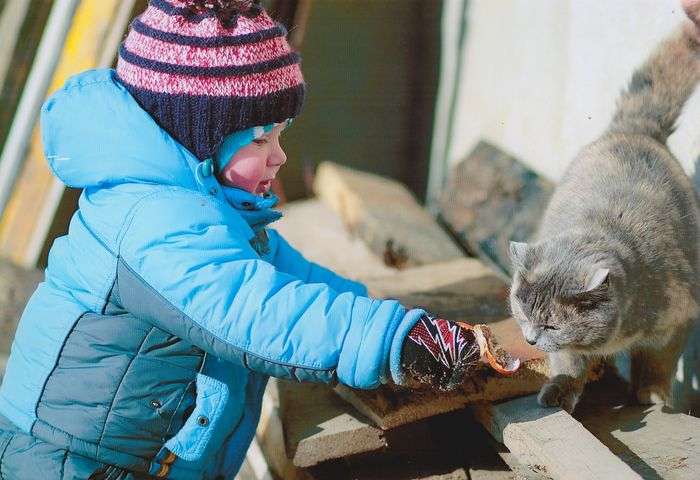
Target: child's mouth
264,186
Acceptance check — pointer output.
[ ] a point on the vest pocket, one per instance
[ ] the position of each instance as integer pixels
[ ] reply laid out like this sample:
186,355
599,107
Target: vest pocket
191,441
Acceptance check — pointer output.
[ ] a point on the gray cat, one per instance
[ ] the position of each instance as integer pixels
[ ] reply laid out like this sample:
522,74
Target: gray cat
615,263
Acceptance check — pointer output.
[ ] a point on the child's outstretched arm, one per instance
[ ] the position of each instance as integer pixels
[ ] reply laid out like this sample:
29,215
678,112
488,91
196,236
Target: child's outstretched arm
287,259
186,266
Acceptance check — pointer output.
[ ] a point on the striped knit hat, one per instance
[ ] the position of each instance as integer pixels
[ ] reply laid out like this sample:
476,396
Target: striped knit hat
206,69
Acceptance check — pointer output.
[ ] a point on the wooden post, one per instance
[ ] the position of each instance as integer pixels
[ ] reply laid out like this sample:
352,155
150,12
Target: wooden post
34,93
91,42
11,20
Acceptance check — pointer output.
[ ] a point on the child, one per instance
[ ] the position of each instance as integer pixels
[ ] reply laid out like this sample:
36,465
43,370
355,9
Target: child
145,352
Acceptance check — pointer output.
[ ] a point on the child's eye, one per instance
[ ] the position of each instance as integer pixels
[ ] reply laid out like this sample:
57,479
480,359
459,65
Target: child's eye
260,141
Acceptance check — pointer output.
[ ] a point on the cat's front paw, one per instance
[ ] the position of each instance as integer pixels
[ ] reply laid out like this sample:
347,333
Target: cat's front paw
653,394
555,394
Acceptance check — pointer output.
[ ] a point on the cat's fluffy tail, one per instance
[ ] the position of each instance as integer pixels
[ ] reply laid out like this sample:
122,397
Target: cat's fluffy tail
659,88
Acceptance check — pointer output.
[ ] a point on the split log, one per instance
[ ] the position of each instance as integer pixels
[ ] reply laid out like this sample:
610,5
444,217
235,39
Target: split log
384,214
491,198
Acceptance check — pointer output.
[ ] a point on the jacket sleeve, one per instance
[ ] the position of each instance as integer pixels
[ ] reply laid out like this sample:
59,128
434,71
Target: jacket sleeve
186,265
289,260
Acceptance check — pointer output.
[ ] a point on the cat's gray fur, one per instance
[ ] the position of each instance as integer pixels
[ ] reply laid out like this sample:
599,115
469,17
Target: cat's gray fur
616,260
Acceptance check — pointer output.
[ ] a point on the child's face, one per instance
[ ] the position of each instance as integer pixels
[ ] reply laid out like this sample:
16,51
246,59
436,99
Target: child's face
254,166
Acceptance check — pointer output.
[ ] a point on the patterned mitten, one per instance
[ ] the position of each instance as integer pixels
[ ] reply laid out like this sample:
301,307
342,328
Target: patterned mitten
439,353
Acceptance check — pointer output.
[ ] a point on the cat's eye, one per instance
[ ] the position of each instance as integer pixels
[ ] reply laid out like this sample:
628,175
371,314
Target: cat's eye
550,327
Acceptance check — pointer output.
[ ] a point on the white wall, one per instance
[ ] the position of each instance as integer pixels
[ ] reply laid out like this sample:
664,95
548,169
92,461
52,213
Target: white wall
540,78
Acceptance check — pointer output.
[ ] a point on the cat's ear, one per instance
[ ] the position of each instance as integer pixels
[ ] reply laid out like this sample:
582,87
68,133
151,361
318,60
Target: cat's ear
597,279
517,253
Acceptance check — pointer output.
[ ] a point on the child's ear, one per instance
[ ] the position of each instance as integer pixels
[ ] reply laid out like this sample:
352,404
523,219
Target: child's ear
226,175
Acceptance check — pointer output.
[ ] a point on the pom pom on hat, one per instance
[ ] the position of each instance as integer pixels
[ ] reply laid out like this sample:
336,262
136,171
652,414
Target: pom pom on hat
225,10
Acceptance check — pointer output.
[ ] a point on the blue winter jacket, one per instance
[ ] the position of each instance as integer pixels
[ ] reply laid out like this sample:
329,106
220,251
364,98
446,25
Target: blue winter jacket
168,303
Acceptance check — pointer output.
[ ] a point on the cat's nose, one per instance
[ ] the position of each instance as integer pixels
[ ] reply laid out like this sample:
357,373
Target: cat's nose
531,335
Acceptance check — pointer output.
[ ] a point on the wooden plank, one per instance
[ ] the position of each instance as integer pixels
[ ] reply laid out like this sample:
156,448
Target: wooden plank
446,447
462,290
390,406
256,464
318,426
655,441
551,441
385,215
513,470
490,199
482,474
519,470
391,470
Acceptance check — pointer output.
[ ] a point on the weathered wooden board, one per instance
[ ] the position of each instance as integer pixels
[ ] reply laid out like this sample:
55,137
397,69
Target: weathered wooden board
384,214
491,198
445,447
319,426
655,441
461,289
391,406
551,441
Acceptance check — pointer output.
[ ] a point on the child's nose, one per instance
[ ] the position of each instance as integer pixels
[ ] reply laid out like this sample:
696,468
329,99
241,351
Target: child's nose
277,157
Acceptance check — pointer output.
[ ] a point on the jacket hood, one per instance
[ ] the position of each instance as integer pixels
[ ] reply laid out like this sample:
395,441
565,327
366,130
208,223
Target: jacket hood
95,134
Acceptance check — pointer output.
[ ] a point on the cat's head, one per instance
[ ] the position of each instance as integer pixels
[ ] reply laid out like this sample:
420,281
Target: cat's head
563,296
